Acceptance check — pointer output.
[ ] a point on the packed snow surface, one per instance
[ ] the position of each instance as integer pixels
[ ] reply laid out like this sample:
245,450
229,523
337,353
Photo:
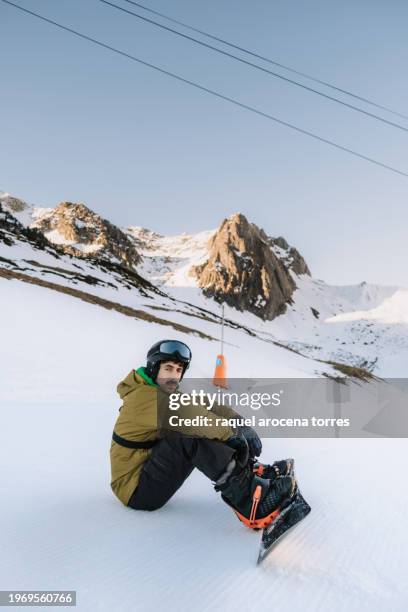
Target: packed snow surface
62,528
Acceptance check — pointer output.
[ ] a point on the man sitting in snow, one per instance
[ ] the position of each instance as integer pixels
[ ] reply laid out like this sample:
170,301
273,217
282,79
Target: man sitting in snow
150,462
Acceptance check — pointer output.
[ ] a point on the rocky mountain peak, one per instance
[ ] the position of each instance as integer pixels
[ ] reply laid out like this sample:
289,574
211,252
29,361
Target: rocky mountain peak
84,233
144,238
12,204
249,270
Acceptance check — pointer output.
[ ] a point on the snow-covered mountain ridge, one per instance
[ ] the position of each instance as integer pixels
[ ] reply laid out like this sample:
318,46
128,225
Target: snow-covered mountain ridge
186,277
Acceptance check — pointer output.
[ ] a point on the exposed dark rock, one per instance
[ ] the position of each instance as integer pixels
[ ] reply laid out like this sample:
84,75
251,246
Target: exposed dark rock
11,228
315,312
288,255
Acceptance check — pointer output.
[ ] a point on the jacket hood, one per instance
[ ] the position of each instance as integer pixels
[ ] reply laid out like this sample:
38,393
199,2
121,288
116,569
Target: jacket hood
133,380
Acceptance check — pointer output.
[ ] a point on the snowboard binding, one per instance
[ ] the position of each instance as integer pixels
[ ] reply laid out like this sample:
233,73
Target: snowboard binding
264,474
277,469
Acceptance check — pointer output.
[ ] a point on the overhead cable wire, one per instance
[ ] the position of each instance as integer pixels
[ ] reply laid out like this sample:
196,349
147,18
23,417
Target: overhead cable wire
256,66
268,60
206,89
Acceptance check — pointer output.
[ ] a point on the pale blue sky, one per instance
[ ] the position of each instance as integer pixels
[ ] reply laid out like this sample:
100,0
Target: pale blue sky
82,124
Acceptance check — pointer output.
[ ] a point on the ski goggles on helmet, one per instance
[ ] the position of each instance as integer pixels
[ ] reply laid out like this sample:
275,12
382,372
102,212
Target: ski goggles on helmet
172,347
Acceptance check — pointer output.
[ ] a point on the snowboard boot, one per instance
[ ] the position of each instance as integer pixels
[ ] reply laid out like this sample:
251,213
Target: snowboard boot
256,500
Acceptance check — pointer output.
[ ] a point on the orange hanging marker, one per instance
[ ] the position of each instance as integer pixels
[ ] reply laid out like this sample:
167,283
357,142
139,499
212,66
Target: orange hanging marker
220,374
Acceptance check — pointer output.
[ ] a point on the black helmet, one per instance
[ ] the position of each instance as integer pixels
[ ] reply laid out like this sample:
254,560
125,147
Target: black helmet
167,350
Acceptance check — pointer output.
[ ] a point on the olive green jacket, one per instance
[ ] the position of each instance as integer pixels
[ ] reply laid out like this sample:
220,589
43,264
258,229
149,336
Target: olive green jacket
138,421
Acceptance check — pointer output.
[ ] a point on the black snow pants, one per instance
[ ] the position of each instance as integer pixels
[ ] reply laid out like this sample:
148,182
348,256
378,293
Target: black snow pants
171,461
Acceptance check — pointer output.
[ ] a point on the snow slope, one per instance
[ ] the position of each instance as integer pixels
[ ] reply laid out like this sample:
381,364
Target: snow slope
62,528
167,260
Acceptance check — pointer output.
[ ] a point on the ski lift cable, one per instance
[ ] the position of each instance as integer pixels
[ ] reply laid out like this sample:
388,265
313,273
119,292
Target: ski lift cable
268,60
217,94
256,66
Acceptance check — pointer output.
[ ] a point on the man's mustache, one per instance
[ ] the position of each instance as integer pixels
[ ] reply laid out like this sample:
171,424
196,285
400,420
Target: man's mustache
171,381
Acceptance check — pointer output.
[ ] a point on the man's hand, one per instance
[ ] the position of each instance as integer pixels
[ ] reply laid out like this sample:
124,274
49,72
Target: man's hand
240,444
253,440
